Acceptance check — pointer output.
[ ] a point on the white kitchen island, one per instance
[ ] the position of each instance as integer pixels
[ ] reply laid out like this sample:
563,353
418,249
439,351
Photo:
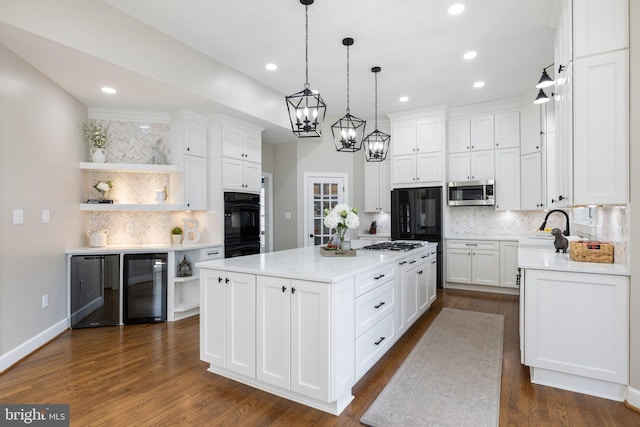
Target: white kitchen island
307,327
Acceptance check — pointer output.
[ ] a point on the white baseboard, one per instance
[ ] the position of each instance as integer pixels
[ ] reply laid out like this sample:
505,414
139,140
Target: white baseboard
633,397
31,345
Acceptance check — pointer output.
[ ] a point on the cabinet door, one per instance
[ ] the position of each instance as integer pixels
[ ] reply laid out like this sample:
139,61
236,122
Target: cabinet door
459,135
404,138
195,138
372,186
530,130
429,135
562,174
507,189
600,26
213,317
410,296
508,264
404,169
252,176
459,166
601,129
432,277
273,330
429,167
531,183
482,164
232,174
482,132
195,182
252,147
232,142
310,318
507,129
240,340
422,285
459,265
485,267
385,185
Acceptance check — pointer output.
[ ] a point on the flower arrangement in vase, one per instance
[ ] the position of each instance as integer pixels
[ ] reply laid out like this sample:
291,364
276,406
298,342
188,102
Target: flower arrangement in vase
341,218
103,188
97,135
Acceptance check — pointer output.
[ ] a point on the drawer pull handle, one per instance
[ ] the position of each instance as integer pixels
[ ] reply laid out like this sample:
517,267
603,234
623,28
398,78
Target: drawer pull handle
213,253
424,256
379,305
378,277
379,341
284,288
412,262
402,263
471,244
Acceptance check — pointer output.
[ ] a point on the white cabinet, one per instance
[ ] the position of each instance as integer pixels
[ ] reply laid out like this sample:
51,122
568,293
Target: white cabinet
293,335
183,292
533,162
459,135
531,184
600,26
508,264
576,324
417,151
227,321
235,151
377,186
507,129
530,129
601,129
507,171
418,291
482,132
471,166
473,262
189,152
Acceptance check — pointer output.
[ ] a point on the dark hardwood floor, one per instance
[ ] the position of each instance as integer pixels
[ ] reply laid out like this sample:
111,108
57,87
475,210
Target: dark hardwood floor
151,375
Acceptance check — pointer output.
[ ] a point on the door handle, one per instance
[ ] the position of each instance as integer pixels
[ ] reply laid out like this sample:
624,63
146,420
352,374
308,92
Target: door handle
311,235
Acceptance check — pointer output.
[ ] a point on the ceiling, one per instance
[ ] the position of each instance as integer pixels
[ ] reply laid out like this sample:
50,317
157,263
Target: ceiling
416,42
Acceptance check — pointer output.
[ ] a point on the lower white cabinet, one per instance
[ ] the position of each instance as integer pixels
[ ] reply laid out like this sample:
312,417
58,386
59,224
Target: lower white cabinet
473,262
508,264
576,326
293,335
418,287
228,318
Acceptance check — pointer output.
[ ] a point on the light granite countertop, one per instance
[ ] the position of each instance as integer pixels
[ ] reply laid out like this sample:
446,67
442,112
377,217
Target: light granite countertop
539,258
116,249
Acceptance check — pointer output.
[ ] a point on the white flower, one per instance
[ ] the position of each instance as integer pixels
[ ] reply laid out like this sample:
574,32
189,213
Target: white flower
103,186
332,219
342,210
352,220
341,215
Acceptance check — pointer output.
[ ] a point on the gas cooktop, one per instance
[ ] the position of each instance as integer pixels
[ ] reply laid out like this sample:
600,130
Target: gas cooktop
393,246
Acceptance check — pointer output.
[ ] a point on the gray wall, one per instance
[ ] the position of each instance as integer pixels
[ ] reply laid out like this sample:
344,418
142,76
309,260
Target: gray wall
40,151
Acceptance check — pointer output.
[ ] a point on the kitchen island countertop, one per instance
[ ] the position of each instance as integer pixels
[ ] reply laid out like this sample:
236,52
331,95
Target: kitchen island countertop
548,259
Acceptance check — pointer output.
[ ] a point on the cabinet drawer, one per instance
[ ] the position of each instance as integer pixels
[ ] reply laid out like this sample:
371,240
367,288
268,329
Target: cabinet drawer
374,305
373,344
374,278
473,244
214,252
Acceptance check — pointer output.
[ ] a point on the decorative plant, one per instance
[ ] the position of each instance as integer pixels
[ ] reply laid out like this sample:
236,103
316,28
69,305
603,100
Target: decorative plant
176,230
103,187
341,217
95,133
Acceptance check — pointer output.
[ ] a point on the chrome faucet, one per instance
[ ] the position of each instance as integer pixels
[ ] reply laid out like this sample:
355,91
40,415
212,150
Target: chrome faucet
544,224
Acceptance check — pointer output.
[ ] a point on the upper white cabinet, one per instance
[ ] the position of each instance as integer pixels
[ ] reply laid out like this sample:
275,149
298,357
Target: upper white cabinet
531,184
600,26
377,186
507,129
591,104
459,135
482,132
417,151
471,166
189,152
530,129
471,148
507,190
237,149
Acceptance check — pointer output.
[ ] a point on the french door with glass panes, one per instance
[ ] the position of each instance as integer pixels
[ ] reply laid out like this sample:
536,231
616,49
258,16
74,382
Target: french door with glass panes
323,192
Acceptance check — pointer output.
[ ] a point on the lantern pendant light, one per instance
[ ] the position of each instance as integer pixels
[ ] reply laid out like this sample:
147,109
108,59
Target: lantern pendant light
349,130
376,144
306,108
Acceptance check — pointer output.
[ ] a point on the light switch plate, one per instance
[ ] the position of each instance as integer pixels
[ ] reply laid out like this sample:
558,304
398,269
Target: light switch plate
18,216
46,216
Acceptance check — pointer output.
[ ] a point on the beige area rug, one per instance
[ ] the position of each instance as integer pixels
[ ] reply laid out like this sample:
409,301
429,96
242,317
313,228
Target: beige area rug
451,378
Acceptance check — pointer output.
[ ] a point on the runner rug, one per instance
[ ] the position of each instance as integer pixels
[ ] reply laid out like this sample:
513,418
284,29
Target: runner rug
451,378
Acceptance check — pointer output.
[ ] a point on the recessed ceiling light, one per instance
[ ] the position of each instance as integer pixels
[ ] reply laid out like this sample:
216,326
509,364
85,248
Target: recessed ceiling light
404,98
478,84
271,66
108,90
456,9
470,55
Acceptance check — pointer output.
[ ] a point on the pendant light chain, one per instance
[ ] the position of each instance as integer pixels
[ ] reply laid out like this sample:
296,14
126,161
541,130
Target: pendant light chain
306,46
348,79
376,102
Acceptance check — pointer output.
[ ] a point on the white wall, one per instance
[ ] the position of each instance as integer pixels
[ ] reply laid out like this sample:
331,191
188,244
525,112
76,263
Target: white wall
40,150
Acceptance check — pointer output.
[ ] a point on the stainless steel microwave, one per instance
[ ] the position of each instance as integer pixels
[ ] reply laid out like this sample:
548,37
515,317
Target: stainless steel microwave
471,193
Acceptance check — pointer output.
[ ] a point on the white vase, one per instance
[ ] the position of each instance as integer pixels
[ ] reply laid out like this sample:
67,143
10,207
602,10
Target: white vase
176,238
98,155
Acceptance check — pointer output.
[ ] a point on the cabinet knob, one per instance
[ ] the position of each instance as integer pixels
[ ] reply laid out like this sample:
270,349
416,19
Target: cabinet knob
420,272
472,147
284,288
226,280
293,290
188,149
219,279
537,147
467,147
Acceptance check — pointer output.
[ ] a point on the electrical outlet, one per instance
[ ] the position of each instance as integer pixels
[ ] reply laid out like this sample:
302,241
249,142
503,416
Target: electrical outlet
45,300
18,216
46,216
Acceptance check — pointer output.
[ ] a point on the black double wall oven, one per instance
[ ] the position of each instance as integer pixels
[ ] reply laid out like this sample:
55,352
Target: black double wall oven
241,224
416,214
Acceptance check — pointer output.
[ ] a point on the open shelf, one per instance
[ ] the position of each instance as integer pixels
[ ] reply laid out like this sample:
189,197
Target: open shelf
113,207
182,306
185,279
129,167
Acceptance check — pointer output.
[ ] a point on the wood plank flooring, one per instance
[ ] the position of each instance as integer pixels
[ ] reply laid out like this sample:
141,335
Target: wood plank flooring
151,374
